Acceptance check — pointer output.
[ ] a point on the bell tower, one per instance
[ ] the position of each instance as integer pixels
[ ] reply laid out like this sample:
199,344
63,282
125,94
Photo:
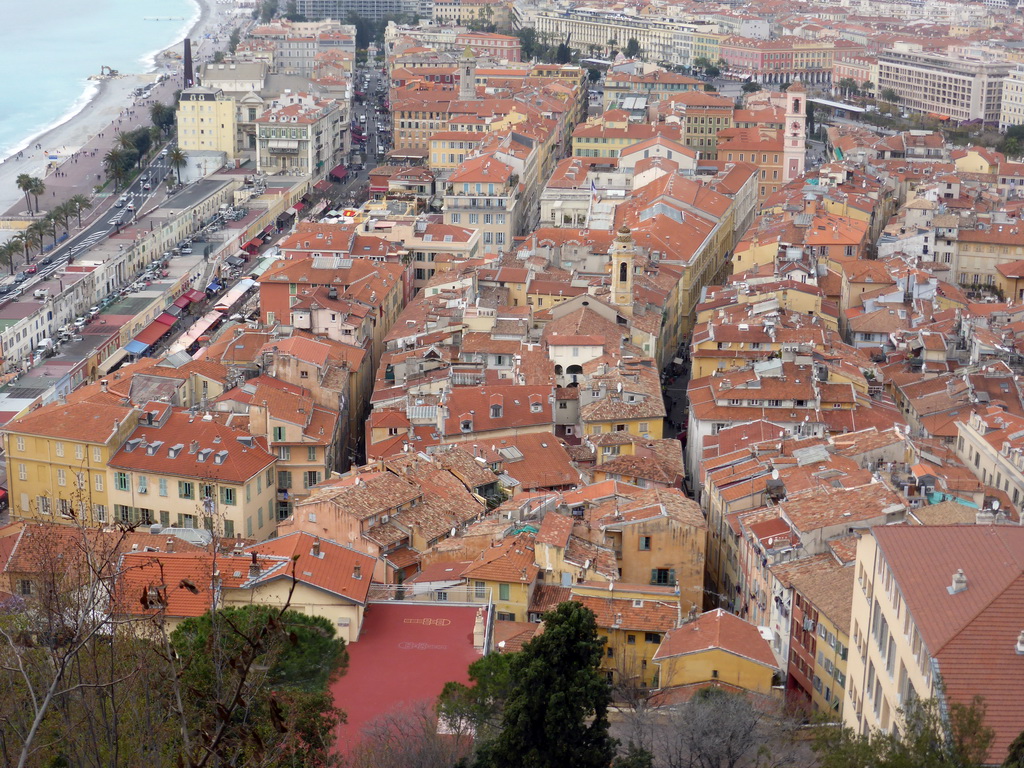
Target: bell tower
795,147
467,75
623,252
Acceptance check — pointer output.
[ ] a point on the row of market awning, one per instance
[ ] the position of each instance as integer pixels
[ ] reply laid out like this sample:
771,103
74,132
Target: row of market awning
161,326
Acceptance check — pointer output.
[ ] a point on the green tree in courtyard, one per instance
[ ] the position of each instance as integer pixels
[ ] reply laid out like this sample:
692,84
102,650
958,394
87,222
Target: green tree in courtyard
888,94
848,87
563,55
751,87
556,713
632,48
527,42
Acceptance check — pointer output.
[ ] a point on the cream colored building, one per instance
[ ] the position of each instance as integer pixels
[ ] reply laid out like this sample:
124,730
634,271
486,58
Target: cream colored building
189,471
1012,110
206,121
955,86
937,613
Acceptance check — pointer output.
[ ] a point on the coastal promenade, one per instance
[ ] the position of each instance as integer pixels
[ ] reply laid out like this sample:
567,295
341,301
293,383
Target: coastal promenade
83,140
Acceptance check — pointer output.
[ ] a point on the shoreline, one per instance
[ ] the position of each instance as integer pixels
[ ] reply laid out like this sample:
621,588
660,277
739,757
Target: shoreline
100,110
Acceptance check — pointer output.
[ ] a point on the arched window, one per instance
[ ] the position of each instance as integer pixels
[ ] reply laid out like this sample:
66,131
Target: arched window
558,370
623,272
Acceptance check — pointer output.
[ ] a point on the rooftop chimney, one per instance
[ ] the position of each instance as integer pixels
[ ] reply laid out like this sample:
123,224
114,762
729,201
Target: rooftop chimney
170,544
959,583
357,572
316,548
254,568
1020,643
103,385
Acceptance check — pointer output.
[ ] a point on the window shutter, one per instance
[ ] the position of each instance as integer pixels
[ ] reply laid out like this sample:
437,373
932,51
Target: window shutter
671,576
654,575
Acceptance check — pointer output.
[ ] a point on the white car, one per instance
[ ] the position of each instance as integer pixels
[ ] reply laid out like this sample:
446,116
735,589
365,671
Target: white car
80,322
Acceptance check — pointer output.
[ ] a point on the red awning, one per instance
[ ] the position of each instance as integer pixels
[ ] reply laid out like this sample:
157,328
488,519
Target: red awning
182,301
299,206
152,333
339,170
269,229
254,244
322,185
194,296
166,318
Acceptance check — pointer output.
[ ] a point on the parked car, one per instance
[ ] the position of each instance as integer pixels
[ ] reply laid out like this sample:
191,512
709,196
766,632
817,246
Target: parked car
32,269
20,278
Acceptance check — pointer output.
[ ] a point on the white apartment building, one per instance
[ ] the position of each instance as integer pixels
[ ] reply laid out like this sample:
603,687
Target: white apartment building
587,29
958,87
1012,109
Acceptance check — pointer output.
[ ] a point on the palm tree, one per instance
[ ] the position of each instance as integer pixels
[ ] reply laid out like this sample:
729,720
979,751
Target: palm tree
62,213
177,157
38,229
37,188
77,204
116,162
24,182
124,141
27,240
8,251
52,224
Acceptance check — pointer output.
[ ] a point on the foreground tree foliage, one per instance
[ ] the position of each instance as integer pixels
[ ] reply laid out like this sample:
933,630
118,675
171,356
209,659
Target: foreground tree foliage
85,686
925,739
254,684
556,711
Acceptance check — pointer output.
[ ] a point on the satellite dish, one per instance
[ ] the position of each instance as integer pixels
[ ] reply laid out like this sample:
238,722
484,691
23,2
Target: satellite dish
807,418
618,387
995,505
586,565
611,586
453,531
775,474
771,540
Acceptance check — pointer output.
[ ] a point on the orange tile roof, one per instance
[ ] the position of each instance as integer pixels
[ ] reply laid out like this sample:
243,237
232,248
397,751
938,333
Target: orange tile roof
85,421
206,450
717,630
509,561
972,633
628,614
337,569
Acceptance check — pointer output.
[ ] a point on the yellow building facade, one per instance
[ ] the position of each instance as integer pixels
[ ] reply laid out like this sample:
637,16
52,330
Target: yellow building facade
57,461
206,121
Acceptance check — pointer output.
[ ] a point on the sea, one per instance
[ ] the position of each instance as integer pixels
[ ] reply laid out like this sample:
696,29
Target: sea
49,48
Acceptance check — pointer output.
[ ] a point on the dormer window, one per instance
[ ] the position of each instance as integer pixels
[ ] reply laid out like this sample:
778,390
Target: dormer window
466,425
535,407
496,411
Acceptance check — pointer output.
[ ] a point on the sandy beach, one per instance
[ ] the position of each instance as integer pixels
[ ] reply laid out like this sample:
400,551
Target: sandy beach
112,101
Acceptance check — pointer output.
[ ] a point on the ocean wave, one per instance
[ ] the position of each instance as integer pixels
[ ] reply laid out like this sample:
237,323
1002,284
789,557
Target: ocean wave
88,94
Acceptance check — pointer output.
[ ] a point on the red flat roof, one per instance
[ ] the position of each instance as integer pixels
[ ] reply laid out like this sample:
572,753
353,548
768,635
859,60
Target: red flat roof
405,654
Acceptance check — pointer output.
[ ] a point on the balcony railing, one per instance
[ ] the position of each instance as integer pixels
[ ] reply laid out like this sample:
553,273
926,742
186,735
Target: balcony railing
421,593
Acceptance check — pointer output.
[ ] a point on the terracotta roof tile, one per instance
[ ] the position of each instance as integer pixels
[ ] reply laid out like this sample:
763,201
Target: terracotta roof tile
717,629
